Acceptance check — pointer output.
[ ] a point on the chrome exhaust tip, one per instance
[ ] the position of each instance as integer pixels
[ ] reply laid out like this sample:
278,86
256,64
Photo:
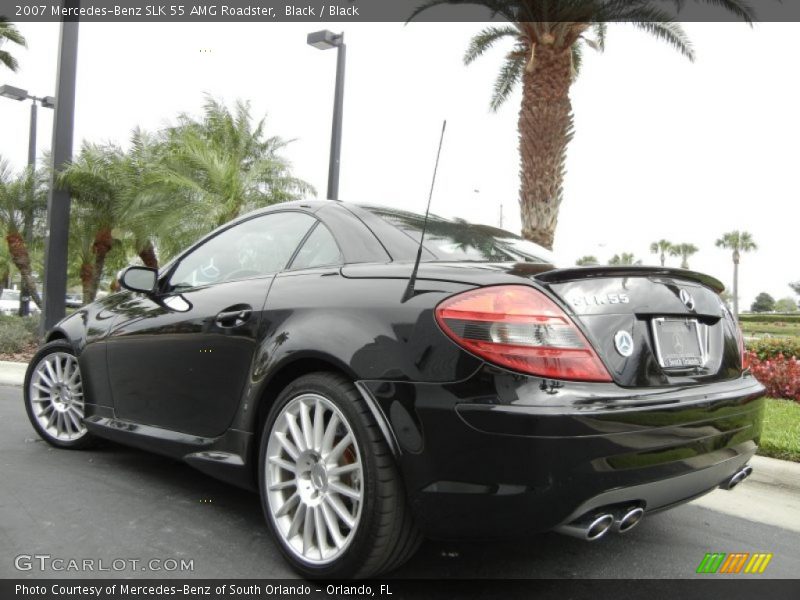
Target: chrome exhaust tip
588,528
628,519
737,478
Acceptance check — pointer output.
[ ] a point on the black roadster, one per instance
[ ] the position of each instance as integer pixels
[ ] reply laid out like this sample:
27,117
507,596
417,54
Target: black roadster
494,395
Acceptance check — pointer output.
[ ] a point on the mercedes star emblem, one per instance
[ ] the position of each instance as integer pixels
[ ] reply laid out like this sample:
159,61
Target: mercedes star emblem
624,343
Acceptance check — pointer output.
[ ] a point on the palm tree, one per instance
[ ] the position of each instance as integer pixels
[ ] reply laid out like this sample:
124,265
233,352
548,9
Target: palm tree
9,33
96,181
626,258
225,166
82,230
154,208
661,247
587,260
546,56
684,251
5,267
737,242
18,195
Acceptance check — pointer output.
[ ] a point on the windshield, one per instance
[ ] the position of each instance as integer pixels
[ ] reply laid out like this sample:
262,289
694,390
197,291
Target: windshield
458,240
10,295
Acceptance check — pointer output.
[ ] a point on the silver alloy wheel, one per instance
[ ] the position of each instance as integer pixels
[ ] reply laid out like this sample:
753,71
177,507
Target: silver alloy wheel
314,479
56,397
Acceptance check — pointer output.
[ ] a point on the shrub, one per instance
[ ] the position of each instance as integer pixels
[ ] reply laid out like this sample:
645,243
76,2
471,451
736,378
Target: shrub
17,333
767,348
780,375
771,318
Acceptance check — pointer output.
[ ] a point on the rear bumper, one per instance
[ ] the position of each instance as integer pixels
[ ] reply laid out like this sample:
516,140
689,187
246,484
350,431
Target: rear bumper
502,454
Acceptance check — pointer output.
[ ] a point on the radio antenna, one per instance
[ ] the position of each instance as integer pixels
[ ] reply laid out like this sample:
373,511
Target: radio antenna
409,293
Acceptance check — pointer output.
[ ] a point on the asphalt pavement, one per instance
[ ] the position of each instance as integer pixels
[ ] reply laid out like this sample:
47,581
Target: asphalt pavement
119,504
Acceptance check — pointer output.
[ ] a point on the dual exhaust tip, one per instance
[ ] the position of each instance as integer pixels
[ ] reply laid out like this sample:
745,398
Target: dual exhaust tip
595,525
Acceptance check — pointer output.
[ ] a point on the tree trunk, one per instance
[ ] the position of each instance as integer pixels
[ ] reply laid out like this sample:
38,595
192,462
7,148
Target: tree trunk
21,260
101,247
148,255
736,286
87,279
24,306
545,130
663,259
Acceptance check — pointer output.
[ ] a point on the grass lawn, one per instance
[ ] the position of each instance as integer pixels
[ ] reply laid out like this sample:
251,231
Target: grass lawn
781,435
771,328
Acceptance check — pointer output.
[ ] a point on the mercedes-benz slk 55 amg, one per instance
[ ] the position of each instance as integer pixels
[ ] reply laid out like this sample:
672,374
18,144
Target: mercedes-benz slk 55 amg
502,396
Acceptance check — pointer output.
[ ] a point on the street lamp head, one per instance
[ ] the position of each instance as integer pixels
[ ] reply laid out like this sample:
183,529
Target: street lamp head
325,40
15,93
49,102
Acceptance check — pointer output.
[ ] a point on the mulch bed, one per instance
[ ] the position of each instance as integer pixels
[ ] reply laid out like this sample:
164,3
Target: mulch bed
23,356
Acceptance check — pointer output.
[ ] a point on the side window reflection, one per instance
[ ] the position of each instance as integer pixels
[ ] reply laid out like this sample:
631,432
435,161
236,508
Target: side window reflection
319,250
257,247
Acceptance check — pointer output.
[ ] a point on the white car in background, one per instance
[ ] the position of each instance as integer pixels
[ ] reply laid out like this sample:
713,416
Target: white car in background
9,303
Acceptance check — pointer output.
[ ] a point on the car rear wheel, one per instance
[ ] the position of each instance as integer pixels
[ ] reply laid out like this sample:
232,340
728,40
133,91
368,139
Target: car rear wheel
329,487
54,397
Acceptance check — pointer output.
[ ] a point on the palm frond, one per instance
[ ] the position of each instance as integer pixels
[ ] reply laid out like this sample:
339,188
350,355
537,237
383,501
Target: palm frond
740,9
671,33
509,76
485,39
577,58
600,33
8,60
510,10
9,32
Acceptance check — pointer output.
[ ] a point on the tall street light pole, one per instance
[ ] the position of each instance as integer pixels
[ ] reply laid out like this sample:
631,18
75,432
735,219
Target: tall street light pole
325,40
15,93
58,201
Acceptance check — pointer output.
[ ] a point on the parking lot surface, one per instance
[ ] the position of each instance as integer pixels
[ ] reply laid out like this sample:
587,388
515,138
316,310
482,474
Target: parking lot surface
116,503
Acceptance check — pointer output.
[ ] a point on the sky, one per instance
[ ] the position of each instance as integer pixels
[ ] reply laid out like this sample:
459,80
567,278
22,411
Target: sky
663,148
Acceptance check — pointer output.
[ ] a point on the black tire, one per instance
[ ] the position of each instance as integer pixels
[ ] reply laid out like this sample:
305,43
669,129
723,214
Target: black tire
385,535
80,438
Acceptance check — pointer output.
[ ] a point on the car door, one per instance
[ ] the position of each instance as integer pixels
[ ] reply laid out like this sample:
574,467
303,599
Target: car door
179,358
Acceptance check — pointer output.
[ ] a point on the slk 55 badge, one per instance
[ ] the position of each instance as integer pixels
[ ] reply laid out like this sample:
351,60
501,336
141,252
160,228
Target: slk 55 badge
599,299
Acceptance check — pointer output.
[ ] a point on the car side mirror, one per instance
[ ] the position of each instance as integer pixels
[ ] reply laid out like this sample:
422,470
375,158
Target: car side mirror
139,279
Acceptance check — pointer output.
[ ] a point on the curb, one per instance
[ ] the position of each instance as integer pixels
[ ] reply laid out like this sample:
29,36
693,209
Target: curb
773,472
12,373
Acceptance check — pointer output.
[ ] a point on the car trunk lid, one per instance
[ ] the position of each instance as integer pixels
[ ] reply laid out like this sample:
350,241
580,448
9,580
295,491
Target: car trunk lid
651,326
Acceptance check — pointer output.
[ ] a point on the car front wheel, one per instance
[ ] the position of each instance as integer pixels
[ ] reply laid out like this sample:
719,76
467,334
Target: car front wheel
54,396
329,487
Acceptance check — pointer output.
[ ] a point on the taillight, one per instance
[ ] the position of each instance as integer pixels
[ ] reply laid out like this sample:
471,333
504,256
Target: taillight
740,339
518,327
737,330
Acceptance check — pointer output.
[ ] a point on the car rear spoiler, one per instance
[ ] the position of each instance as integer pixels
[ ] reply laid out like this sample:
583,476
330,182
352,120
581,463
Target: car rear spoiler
576,273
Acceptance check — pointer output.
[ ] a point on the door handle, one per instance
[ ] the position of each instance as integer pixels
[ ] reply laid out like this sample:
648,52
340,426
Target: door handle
234,316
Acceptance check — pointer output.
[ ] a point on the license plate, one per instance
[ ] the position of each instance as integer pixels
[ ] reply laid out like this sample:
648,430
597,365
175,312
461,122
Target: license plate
678,343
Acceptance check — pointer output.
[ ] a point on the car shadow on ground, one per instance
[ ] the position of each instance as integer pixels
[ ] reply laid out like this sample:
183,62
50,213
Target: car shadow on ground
239,513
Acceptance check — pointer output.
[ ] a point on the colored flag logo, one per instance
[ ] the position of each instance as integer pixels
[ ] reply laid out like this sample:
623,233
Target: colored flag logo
734,563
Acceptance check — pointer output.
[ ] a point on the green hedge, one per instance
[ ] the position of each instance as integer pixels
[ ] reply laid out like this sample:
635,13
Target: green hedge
17,333
770,318
770,347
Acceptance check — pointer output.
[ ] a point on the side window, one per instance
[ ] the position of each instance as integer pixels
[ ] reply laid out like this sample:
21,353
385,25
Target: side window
257,247
320,250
